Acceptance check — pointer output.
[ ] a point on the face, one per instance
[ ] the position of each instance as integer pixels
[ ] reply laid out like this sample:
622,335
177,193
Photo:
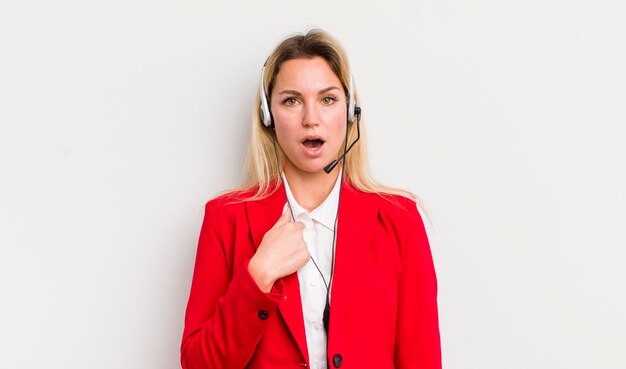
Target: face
308,104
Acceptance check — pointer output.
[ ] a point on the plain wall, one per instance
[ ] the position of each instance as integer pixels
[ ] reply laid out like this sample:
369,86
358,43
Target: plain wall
120,119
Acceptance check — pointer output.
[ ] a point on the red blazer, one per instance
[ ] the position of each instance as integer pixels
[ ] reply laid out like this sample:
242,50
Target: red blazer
383,302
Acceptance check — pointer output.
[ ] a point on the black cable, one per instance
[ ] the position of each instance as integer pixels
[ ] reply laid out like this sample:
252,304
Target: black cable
326,313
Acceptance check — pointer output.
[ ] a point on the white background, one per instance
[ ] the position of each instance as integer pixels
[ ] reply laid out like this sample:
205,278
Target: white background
120,119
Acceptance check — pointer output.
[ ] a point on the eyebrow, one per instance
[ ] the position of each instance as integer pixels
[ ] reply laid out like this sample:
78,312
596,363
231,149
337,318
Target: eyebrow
297,93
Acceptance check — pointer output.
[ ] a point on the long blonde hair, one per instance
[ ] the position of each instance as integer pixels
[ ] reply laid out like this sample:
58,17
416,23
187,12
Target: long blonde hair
264,157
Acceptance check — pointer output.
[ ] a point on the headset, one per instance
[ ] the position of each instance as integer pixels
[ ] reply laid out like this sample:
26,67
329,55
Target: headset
266,114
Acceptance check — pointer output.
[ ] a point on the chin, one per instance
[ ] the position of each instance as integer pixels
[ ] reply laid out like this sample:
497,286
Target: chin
311,167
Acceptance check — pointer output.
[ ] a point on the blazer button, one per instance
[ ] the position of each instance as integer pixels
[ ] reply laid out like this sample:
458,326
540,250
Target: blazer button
337,360
262,314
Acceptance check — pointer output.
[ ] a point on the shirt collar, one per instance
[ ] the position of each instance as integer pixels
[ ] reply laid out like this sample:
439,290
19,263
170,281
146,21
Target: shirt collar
326,212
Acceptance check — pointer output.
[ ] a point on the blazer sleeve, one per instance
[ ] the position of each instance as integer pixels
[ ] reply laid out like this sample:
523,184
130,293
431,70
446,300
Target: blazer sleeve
226,316
417,332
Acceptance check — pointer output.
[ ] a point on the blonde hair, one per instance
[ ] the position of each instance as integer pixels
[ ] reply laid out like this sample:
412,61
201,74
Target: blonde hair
264,157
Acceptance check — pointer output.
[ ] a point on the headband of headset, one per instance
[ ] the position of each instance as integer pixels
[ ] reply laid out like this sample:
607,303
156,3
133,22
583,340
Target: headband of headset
266,115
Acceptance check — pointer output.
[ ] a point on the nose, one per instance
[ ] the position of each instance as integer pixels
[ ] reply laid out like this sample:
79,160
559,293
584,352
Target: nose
310,115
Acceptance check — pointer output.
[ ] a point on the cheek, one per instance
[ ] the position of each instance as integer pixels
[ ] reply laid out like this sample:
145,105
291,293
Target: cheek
285,133
287,123
338,126
282,115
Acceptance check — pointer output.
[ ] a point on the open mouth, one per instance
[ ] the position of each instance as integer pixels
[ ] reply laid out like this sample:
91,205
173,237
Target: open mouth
313,143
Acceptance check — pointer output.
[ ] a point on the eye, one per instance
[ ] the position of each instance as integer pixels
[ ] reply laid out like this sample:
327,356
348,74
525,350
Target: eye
290,101
329,100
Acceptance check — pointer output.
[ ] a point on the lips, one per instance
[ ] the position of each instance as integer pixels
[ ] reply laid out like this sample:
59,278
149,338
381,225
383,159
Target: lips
313,145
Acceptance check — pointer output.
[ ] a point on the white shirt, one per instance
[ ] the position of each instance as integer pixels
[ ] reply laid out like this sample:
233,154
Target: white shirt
318,236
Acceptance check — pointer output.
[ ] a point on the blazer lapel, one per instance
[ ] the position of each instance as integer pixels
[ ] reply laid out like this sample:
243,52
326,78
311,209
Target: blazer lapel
262,215
355,227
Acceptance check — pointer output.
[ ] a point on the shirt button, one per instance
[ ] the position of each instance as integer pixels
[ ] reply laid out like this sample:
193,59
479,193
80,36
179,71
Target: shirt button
263,314
317,326
337,360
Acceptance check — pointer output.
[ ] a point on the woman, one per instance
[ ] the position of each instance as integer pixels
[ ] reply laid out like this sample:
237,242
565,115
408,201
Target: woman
344,277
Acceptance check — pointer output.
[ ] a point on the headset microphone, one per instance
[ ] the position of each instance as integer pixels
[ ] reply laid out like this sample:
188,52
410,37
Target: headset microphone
331,166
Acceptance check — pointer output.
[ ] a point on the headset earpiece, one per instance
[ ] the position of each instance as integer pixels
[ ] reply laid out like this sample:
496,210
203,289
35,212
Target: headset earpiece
351,102
264,110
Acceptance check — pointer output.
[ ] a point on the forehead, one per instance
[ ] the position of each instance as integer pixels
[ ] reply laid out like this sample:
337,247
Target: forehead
305,73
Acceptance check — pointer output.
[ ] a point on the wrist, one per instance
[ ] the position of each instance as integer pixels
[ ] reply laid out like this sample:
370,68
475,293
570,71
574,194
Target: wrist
260,275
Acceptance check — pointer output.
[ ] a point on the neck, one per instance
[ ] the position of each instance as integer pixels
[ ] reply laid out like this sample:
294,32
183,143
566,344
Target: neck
310,189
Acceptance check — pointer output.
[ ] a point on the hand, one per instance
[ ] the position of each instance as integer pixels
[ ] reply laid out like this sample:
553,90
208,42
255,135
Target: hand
281,252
